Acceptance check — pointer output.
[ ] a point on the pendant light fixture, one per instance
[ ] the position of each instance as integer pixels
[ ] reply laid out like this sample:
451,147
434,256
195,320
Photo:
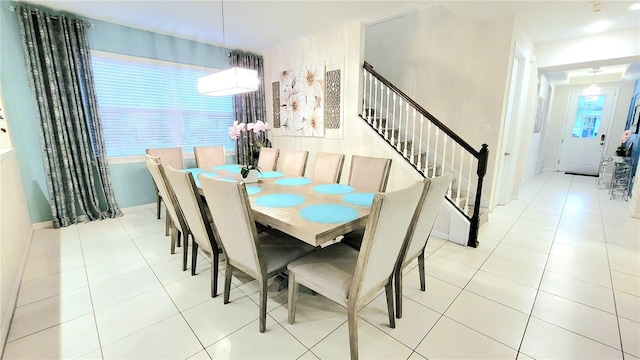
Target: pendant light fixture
593,89
231,81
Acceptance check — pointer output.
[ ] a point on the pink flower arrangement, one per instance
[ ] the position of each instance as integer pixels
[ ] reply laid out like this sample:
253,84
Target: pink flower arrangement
237,128
253,136
625,136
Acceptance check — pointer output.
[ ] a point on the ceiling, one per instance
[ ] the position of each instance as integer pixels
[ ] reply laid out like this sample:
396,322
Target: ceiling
260,24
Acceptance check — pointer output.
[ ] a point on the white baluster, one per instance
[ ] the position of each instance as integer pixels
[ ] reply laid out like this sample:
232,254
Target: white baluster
393,126
375,103
364,93
453,154
435,152
460,175
413,139
428,147
370,97
386,121
397,145
444,153
466,202
406,131
379,128
420,146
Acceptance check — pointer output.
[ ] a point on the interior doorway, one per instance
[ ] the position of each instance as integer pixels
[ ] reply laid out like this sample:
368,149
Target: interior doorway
586,129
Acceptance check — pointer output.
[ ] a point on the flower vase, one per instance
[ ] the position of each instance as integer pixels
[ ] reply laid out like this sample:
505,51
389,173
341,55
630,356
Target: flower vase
252,177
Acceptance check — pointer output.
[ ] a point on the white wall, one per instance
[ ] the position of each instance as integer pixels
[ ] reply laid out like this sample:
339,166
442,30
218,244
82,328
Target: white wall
15,237
557,115
534,159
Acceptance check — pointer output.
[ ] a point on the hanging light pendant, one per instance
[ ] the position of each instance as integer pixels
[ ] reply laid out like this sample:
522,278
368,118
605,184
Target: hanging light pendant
231,81
593,89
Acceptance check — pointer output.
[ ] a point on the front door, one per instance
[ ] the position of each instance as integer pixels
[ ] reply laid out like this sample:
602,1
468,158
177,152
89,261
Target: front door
587,121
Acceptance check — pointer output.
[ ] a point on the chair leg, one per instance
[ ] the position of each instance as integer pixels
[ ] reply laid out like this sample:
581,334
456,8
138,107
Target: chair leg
293,297
167,225
175,234
263,306
194,256
352,315
388,289
423,282
178,238
398,282
185,251
214,272
158,200
228,271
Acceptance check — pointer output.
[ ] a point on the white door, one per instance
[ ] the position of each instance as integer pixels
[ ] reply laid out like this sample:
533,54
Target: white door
585,131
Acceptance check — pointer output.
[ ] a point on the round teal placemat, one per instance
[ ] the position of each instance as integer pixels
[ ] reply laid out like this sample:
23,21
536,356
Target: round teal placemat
333,189
226,167
279,200
252,189
328,213
270,174
234,170
293,181
360,199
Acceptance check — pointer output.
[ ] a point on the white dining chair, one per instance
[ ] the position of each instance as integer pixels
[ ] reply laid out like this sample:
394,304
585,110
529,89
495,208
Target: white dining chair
328,167
196,217
353,278
168,157
293,162
175,217
209,156
425,219
260,256
369,173
268,159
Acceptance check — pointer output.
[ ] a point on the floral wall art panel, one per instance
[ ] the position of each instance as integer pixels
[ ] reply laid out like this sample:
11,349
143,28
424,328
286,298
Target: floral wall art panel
302,101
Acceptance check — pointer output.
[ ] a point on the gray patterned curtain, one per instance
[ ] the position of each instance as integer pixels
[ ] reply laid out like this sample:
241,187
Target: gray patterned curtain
250,107
60,74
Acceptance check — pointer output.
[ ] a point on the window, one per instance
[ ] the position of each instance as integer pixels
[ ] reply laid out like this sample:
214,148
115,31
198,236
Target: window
587,121
153,104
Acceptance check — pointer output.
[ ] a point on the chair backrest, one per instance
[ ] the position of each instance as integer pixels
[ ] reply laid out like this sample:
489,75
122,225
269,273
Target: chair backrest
390,219
168,156
268,159
328,167
166,192
233,222
192,206
208,156
426,215
293,162
369,173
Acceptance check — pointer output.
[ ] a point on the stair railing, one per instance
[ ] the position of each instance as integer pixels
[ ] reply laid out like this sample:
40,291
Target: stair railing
426,143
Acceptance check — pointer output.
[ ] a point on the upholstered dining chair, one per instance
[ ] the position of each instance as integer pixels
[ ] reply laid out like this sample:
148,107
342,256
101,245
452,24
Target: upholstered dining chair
168,156
425,218
352,278
196,217
208,156
369,173
268,159
175,217
293,162
328,167
260,256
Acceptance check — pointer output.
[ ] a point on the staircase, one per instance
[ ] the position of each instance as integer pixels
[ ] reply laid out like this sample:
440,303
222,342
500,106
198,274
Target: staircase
428,145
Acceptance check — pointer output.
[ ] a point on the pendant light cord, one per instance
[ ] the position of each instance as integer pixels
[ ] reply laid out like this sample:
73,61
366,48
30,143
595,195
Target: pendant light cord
223,37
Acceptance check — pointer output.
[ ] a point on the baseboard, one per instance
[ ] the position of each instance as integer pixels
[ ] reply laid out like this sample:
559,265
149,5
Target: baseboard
138,208
42,225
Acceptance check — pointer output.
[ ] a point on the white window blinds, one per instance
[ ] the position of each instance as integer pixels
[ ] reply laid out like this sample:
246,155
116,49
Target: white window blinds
153,104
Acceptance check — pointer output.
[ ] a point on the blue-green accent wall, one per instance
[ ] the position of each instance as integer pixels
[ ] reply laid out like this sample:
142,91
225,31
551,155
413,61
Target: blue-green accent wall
132,183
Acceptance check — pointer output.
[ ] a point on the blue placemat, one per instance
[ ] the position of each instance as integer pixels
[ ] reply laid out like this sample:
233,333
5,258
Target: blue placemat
252,189
226,167
234,170
328,213
279,200
333,189
293,181
360,199
195,171
270,174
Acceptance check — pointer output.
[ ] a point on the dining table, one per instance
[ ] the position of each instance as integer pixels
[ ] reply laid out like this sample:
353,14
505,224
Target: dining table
313,211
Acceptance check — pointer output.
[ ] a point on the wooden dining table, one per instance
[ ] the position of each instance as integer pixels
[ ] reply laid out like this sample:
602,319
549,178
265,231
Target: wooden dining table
313,211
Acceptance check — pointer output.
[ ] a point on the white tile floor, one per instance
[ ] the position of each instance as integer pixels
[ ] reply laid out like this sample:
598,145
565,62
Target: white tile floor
556,276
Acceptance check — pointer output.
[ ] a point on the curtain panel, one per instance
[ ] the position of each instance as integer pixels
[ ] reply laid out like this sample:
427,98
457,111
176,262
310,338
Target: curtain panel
249,108
57,55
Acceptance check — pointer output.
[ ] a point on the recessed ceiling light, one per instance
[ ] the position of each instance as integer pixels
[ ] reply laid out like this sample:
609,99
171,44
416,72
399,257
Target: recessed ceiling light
598,26
635,6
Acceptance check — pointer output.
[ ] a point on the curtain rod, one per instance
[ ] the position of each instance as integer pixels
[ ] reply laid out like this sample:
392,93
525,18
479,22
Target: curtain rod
91,25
